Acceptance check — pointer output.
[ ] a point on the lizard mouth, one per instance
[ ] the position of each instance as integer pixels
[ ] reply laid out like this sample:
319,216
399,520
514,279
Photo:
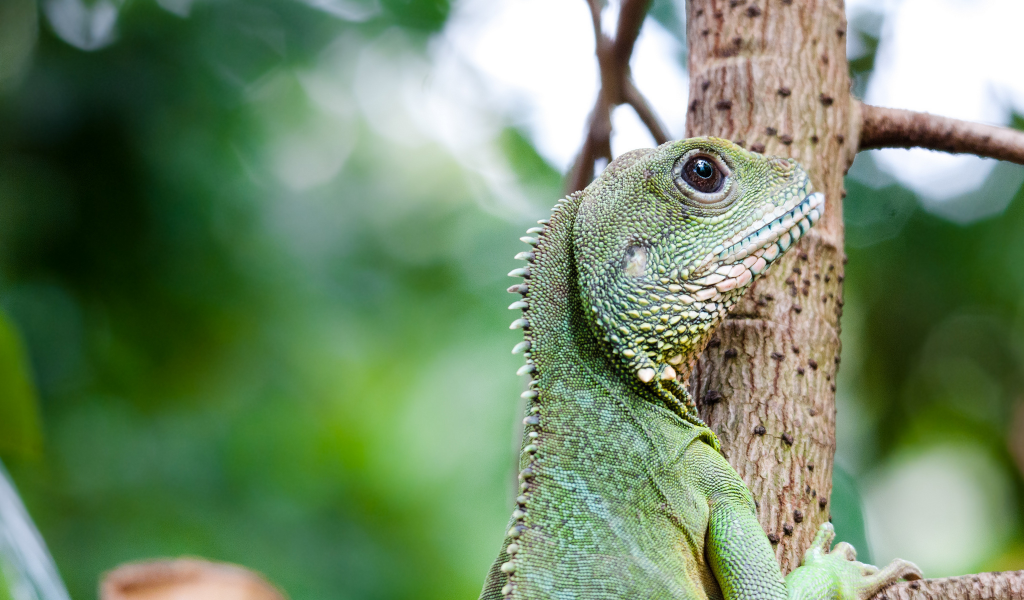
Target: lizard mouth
734,264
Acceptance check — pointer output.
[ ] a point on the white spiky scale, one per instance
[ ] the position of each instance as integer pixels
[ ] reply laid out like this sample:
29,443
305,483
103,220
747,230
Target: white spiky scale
521,347
519,324
520,272
525,256
518,304
535,230
529,240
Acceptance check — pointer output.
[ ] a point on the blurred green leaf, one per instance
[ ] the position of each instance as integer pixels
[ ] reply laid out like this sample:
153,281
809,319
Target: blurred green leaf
847,513
428,15
19,411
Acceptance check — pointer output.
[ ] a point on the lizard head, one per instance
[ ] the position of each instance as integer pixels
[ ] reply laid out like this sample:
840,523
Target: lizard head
668,239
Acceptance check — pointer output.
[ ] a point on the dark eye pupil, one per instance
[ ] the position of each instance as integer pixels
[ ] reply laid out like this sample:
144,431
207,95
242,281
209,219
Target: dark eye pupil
702,175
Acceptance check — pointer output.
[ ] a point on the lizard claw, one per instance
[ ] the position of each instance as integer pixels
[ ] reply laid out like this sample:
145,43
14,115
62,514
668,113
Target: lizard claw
883,578
821,543
845,550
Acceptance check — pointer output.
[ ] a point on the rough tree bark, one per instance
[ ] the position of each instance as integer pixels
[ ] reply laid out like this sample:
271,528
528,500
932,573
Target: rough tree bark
772,75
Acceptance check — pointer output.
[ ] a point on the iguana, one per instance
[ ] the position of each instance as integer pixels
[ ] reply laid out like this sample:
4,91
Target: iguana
623,491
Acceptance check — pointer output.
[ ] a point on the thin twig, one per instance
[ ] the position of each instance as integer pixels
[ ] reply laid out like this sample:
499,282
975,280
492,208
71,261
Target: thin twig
596,145
631,17
634,98
617,87
896,128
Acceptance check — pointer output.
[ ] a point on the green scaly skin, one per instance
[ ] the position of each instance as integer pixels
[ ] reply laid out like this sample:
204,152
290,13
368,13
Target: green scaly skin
623,492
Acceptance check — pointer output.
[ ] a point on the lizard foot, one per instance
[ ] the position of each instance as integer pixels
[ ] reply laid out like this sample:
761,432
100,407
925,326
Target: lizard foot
851,579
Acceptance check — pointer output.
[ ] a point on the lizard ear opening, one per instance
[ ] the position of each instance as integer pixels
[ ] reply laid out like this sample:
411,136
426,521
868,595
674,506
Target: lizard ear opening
634,261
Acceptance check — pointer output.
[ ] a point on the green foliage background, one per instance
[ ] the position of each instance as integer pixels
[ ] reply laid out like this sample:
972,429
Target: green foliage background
317,384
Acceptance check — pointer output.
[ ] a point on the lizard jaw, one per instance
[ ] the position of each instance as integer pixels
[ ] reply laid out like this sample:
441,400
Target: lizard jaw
750,253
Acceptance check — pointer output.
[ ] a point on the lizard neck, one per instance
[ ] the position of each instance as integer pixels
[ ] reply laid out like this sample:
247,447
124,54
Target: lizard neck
577,511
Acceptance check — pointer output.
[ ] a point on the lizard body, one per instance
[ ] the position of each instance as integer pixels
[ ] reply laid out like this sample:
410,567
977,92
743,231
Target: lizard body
623,491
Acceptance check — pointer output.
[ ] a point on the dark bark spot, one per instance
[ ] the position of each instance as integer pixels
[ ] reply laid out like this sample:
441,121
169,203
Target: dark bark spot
798,516
723,104
712,397
826,100
705,85
840,32
810,466
786,139
840,138
799,370
693,105
778,356
803,256
705,32
785,91
812,364
760,430
714,342
823,502
731,353
788,438
757,147
787,529
753,11
797,308
740,143
814,139
774,539
795,350
771,131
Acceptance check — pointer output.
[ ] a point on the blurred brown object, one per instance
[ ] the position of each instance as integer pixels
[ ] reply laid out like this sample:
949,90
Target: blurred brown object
185,579
1015,440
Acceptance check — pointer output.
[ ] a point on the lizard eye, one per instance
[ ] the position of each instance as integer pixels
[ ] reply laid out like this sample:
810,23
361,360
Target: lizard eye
702,175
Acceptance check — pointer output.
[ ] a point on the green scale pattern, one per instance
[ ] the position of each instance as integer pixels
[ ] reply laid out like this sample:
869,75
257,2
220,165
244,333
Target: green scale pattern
623,492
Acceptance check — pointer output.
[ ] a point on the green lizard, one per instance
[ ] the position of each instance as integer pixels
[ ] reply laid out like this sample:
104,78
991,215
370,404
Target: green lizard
623,491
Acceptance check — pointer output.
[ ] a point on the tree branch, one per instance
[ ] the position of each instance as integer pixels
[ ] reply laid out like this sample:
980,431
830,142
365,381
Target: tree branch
617,88
631,17
1008,585
896,128
634,98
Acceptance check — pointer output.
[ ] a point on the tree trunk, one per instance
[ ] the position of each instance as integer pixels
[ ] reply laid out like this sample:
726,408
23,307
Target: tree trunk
773,77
